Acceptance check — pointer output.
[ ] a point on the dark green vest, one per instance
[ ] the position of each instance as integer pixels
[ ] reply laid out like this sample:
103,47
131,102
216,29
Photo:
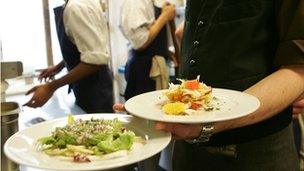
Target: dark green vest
232,44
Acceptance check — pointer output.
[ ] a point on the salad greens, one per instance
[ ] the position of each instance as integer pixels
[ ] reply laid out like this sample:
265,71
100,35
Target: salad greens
94,137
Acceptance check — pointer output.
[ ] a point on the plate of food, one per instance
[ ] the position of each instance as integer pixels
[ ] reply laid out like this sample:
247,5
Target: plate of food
86,142
192,101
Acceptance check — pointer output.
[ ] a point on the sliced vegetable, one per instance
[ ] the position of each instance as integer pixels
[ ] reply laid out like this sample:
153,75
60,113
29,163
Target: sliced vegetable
195,106
176,108
192,84
80,149
71,119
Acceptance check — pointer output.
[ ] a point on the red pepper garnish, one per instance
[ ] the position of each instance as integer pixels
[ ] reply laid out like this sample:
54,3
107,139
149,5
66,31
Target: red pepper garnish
195,106
192,84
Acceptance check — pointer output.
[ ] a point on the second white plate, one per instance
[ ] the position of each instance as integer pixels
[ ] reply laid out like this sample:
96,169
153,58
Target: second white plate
230,104
21,147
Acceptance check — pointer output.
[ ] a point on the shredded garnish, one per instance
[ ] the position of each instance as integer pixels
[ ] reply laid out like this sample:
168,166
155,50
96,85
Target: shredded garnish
190,94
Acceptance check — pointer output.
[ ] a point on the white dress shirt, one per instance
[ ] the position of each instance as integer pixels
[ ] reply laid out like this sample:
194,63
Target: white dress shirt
137,16
87,29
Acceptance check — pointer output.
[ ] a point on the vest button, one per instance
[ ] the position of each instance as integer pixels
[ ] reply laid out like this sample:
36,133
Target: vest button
192,62
200,23
196,43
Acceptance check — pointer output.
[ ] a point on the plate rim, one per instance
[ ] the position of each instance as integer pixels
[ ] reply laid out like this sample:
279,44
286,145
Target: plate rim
256,100
167,135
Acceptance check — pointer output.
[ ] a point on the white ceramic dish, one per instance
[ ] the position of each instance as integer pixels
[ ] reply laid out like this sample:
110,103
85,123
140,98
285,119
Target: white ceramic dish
229,104
22,149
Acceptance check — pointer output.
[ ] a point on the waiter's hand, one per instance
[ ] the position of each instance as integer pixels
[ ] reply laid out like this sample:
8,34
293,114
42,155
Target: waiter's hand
48,73
119,107
42,94
179,131
298,108
169,12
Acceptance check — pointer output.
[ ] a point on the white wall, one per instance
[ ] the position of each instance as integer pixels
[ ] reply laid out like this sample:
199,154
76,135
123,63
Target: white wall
20,23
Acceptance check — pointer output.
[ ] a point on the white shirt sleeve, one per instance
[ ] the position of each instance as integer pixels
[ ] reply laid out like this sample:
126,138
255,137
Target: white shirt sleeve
137,16
87,29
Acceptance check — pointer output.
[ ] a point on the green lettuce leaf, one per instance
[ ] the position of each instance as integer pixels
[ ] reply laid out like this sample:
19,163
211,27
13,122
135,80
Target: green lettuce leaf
123,142
47,140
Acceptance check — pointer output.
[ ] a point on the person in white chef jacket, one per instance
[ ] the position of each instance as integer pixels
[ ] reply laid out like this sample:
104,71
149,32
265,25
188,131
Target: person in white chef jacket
83,37
143,23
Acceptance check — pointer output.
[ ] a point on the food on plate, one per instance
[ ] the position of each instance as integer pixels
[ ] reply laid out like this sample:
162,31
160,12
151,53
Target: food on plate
175,108
80,139
187,97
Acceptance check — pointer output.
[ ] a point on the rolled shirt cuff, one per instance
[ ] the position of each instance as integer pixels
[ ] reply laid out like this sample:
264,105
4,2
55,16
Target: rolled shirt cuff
139,38
95,58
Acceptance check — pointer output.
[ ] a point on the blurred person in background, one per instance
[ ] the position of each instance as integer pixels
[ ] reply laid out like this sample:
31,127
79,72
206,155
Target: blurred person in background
83,37
180,31
143,23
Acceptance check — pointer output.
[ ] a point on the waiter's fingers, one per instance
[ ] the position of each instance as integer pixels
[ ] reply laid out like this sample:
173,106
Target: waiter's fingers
42,75
31,90
39,79
168,127
180,131
299,104
50,78
119,107
297,110
31,103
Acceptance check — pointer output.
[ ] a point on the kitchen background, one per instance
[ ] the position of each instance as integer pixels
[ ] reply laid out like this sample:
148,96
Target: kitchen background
23,38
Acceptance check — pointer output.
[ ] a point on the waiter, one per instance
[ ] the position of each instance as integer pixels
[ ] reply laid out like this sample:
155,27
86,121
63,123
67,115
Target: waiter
83,37
255,46
143,24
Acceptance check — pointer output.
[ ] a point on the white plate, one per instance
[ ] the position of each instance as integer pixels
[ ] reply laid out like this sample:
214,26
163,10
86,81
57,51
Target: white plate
231,104
21,146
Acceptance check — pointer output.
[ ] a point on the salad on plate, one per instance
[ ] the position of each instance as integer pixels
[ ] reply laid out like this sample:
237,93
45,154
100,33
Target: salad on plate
82,139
